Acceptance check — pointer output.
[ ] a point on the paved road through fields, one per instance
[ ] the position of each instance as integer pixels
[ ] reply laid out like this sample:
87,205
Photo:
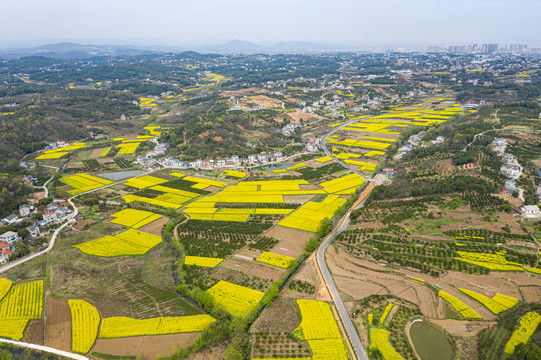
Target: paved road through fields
360,353
62,353
329,153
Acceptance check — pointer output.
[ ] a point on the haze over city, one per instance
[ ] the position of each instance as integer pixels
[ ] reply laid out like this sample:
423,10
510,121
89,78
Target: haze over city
360,23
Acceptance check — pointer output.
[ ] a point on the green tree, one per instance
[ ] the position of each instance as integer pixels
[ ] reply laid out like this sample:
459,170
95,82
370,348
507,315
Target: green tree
5,355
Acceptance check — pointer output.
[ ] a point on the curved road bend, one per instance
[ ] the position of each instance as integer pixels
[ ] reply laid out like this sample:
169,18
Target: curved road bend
329,153
47,349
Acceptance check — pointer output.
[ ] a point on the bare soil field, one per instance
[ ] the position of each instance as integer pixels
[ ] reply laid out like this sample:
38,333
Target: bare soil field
96,153
531,293
308,272
281,316
243,92
463,327
360,279
37,195
297,199
292,241
253,268
265,101
81,224
34,332
155,227
144,347
58,324
301,116
217,352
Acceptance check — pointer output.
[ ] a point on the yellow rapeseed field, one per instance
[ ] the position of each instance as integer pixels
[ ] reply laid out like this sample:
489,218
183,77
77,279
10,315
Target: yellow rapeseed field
496,304
23,301
55,155
309,216
85,320
13,328
379,339
119,327
237,174
319,327
202,261
5,285
134,218
235,299
276,260
144,182
317,321
528,325
131,198
459,306
129,242
83,182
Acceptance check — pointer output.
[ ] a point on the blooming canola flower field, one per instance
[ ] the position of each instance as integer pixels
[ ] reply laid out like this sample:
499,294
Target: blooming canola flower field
129,242
120,327
202,261
134,218
496,304
459,306
309,216
235,299
379,339
318,326
83,182
85,321
276,259
528,325
18,305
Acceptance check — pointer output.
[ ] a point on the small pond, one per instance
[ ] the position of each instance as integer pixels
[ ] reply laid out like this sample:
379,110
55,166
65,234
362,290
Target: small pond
276,167
120,175
430,343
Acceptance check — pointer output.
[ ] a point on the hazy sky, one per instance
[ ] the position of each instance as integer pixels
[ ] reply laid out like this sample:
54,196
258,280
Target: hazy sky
399,22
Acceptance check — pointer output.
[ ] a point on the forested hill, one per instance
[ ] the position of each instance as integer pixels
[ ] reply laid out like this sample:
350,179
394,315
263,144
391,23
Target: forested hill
56,114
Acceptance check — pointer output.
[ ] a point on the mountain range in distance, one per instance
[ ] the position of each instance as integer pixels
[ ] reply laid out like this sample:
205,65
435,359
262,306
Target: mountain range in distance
67,50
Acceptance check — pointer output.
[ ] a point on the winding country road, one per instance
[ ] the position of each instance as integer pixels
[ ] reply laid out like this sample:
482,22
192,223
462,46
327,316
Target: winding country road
15,263
360,353
344,316
329,153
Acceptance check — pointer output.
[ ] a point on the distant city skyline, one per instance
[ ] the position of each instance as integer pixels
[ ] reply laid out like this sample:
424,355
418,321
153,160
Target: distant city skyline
340,22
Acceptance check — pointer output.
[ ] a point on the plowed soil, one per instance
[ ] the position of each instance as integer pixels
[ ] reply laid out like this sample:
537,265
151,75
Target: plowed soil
144,347
58,324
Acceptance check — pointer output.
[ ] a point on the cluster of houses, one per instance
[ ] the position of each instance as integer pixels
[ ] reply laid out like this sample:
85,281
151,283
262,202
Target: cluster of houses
413,141
6,245
231,162
512,170
53,214
57,145
288,129
238,106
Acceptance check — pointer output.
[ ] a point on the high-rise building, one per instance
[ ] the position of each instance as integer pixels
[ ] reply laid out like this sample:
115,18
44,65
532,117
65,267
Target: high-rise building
484,48
492,48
